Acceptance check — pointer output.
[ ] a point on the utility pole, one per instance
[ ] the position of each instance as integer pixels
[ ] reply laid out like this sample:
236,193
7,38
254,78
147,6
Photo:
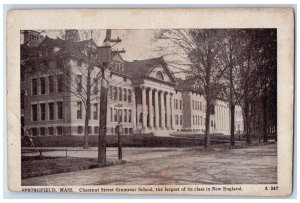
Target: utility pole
104,58
102,119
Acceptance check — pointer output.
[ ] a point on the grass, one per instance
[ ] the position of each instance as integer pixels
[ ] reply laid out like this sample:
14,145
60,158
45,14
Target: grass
141,140
32,166
136,140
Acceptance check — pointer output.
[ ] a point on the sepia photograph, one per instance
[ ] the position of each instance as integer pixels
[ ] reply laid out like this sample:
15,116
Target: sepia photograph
198,106
151,111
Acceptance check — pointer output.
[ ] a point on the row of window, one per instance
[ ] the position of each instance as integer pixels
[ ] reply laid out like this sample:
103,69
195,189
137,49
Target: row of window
38,111
176,104
42,131
197,105
40,84
93,83
80,130
94,108
125,130
178,119
120,115
197,120
120,94
117,66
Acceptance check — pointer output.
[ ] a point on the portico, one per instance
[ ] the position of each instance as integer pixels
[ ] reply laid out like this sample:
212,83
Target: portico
155,109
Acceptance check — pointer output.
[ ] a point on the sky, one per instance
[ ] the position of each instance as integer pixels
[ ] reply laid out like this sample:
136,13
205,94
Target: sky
138,44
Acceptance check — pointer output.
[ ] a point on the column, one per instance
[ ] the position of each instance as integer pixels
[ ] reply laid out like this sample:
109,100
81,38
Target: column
150,109
171,110
168,110
162,104
156,108
133,109
144,107
217,117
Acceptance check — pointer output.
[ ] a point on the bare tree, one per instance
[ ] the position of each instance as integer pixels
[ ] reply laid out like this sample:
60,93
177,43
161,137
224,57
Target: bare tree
230,80
84,82
196,54
257,62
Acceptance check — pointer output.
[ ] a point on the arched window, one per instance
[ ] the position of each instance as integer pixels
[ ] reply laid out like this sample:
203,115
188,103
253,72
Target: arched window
159,75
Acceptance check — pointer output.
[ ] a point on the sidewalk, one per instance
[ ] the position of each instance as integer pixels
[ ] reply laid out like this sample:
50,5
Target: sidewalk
193,165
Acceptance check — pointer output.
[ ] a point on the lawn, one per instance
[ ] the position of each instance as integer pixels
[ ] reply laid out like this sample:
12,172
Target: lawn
33,166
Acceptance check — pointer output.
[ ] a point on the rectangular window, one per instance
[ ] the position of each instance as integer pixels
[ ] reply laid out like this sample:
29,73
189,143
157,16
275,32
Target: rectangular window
125,94
130,131
95,86
42,131
125,115
111,92
50,131
200,106
34,131
180,119
34,86
120,93
95,111
43,85
111,114
200,120
115,93
79,129
129,116
34,112
96,130
59,130
180,104
129,96
51,84
116,115
176,106
43,111
176,119
90,130
79,110
193,120
79,83
60,83
126,131
120,115
59,110
51,110
193,104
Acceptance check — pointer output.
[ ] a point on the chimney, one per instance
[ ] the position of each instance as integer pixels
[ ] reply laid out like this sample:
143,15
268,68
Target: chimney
72,35
107,39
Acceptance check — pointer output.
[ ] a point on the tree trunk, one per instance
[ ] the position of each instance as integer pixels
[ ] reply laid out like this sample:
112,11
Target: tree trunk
232,108
87,110
265,121
207,123
86,126
247,127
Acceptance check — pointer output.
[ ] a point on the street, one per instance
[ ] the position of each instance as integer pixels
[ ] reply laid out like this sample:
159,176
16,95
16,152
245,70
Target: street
162,166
